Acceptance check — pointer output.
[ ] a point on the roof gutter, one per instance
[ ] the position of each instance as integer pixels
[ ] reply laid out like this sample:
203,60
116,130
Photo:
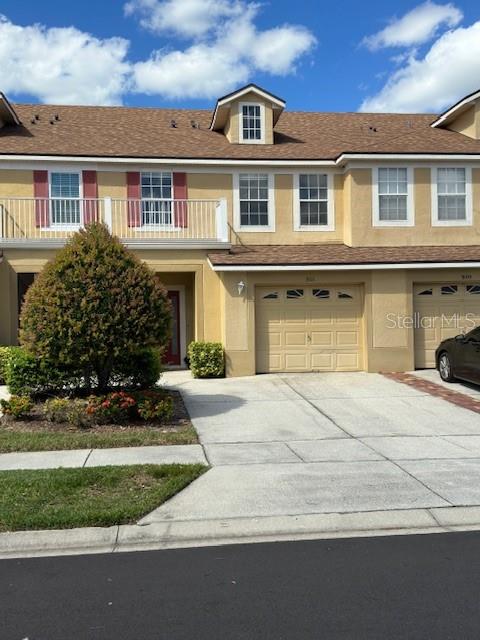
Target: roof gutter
346,267
230,162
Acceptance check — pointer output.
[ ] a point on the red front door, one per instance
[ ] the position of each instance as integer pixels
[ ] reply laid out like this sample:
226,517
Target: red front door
172,355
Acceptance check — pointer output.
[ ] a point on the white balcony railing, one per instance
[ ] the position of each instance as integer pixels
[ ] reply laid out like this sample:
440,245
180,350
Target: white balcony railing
50,221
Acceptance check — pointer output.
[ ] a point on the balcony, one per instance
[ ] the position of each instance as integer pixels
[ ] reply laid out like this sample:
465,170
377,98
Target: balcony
49,222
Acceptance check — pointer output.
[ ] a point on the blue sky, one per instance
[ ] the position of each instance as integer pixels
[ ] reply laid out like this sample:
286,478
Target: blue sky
341,56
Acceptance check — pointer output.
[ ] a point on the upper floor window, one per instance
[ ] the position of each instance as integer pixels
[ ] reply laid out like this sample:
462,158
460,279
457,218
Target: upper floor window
251,123
65,206
156,190
313,202
253,202
451,197
393,197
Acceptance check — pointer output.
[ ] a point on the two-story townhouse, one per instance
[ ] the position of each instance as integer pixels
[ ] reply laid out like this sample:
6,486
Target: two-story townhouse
301,241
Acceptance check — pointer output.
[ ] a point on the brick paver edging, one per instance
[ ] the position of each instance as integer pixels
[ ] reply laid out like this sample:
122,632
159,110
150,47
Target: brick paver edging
455,397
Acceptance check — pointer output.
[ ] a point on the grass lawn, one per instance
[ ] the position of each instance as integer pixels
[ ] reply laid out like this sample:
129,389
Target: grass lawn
101,438
97,496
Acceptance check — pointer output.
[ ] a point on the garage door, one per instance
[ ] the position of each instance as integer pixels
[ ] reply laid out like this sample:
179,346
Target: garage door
308,328
442,311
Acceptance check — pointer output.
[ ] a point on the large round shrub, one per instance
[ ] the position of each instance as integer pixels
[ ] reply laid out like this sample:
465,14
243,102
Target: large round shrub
93,304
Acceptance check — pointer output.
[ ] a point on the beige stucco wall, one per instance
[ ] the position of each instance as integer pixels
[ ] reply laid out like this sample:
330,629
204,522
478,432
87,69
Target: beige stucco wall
187,267
358,211
468,122
352,209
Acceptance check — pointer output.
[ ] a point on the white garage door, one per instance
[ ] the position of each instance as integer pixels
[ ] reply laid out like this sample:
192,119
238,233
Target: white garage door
442,311
308,328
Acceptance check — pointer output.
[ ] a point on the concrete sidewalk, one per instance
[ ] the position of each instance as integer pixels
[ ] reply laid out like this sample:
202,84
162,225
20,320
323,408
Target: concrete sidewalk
77,458
312,455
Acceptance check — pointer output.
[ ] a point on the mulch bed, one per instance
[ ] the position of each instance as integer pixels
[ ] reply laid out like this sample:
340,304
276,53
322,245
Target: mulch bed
36,424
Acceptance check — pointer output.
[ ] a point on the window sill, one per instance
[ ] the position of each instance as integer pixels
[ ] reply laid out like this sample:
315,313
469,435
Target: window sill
316,228
62,227
451,223
252,229
393,224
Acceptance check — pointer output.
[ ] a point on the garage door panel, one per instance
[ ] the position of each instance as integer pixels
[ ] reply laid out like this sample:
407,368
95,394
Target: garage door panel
347,338
449,309
308,332
296,361
295,338
347,361
323,338
323,361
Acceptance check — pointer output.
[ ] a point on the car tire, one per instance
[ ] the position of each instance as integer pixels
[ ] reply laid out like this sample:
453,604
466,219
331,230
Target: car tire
445,367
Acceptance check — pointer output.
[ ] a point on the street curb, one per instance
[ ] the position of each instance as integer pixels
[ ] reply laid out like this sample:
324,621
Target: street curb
202,533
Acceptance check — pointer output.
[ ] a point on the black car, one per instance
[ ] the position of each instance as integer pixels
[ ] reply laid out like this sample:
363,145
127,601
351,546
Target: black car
459,357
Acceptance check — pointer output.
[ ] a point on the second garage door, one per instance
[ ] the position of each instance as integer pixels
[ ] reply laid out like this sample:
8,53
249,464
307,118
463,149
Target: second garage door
308,328
442,311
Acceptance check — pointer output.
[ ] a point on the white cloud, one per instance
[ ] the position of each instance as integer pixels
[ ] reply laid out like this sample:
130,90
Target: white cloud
416,27
449,71
62,65
188,18
223,55
225,49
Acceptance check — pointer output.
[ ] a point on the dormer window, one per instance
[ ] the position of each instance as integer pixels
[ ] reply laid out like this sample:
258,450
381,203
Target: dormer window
248,116
251,123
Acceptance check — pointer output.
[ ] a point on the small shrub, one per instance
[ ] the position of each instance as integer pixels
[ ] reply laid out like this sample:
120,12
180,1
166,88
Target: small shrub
114,408
56,409
63,410
28,375
138,370
206,359
17,407
5,357
155,407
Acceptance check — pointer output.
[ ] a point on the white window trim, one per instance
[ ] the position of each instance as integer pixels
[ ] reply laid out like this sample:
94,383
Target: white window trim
410,221
62,226
240,122
468,198
297,226
236,205
158,227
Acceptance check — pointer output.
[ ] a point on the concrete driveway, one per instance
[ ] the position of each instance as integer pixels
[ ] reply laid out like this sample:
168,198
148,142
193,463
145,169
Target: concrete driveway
283,445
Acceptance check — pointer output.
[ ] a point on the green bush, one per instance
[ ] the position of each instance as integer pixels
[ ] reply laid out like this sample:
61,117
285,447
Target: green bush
63,410
5,357
17,407
138,370
155,407
94,304
28,375
206,359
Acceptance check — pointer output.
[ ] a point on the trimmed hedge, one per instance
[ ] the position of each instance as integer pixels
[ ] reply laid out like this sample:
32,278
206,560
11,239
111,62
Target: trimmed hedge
139,370
207,359
27,375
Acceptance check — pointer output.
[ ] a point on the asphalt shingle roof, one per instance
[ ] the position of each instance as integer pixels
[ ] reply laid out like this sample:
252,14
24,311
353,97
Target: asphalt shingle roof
142,132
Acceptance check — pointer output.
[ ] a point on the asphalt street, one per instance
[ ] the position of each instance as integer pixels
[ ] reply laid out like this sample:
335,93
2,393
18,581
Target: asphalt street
407,587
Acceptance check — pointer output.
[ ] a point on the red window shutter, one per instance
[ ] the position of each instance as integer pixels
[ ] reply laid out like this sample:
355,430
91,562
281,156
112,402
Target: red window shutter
133,193
180,213
41,195
90,190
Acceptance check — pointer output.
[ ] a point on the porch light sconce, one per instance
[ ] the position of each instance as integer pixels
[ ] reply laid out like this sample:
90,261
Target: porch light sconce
241,287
